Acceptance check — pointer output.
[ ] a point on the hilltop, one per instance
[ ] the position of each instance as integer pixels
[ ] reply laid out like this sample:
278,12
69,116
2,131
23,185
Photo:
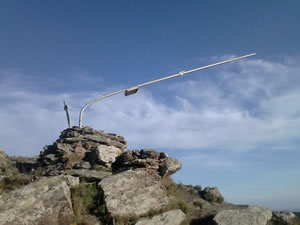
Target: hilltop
89,177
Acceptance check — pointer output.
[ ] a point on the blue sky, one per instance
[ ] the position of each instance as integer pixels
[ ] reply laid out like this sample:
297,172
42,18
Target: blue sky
235,126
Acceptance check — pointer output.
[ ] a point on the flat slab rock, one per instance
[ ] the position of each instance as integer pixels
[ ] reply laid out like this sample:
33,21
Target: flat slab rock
45,202
173,217
252,215
89,175
133,192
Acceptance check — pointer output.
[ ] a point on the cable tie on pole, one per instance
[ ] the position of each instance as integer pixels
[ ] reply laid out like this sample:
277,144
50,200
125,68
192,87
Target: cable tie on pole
182,73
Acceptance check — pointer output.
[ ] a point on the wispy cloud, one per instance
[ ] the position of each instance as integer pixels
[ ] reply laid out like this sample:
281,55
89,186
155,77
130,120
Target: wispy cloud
237,126
248,105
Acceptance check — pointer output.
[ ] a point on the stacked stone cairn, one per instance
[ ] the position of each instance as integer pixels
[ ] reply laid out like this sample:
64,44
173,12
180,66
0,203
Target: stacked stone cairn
78,148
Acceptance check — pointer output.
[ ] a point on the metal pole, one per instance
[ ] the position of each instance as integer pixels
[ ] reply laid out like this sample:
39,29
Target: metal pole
67,113
155,81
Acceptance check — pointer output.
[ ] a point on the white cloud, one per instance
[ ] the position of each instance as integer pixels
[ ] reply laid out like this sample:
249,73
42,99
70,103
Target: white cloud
215,122
250,104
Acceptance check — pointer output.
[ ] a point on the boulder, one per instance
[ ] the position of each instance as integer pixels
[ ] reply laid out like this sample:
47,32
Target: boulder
133,192
212,194
252,215
173,217
45,202
103,155
283,218
169,166
82,165
148,159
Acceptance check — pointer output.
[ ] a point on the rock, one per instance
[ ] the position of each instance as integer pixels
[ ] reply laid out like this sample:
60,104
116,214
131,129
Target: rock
107,154
82,165
49,159
148,159
133,193
212,194
169,166
47,202
70,180
90,220
252,215
283,218
72,157
173,217
24,164
89,175
81,148
149,153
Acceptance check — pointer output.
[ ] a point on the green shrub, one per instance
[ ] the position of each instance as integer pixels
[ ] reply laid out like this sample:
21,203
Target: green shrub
85,201
13,182
296,221
209,197
198,188
176,195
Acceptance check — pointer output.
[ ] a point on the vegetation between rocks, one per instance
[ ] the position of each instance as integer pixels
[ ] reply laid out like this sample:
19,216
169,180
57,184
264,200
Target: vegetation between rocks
178,201
85,201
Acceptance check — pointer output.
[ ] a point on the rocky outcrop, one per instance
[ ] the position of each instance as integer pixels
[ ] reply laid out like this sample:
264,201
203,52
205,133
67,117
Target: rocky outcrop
173,217
81,148
117,187
133,192
24,164
252,215
47,201
212,194
282,218
148,159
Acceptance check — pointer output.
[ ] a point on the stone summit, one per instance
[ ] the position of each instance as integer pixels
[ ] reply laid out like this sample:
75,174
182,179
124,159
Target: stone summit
89,177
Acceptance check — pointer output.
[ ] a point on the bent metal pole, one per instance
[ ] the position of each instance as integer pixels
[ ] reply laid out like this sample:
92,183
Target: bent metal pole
133,89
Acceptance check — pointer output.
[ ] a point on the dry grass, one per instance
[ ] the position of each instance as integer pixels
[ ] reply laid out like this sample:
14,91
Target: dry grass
177,197
84,201
13,180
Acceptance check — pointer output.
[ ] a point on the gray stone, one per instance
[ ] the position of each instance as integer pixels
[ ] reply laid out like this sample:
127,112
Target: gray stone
49,159
24,164
212,194
77,148
70,180
47,202
133,193
108,154
169,166
253,215
148,159
149,153
82,165
283,217
98,139
89,175
173,217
